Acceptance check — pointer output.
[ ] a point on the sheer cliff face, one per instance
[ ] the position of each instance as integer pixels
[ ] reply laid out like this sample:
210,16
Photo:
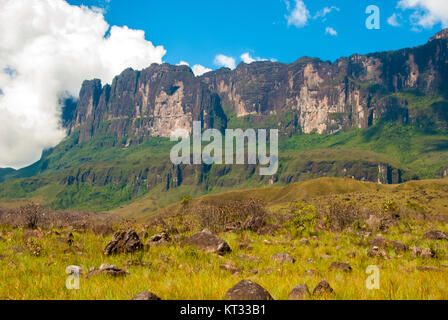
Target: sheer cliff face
152,102
324,97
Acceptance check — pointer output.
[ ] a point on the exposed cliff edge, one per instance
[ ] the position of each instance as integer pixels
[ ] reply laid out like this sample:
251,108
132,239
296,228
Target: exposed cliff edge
317,96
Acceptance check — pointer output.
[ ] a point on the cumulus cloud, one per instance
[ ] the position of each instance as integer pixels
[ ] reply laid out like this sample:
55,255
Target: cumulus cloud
247,58
225,61
327,10
47,48
427,13
197,69
299,15
331,31
393,20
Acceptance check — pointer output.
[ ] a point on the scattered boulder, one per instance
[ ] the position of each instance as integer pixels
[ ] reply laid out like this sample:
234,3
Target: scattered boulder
159,239
123,242
378,241
304,241
300,292
254,224
245,246
429,269
232,226
399,246
341,266
33,234
146,296
107,269
231,267
208,242
247,290
377,252
283,258
436,235
428,253
323,288
425,253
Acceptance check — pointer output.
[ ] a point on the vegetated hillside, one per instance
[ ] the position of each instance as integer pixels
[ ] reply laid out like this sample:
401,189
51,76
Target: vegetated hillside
381,117
427,196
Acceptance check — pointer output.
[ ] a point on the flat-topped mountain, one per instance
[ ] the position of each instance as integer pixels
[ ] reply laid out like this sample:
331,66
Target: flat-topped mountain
380,117
313,95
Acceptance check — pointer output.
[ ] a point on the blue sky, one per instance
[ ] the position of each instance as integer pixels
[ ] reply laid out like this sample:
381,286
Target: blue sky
196,31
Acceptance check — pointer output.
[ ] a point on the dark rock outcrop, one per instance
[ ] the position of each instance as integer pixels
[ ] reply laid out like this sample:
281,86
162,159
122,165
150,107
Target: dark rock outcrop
147,296
247,290
208,242
123,242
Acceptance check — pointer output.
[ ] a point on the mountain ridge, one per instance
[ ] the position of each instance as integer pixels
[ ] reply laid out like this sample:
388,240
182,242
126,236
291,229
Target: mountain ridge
381,117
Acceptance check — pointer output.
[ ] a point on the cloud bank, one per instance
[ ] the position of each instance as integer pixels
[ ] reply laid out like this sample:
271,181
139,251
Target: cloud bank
427,13
47,48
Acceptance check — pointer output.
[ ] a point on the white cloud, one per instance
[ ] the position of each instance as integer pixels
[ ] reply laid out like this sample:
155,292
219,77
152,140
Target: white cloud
199,70
427,13
299,15
322,13
331,31
225,61
52,47
248,59
393,20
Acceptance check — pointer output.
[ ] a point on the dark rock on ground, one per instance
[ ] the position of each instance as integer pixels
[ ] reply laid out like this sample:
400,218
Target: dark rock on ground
159,239
377,252
378,241
254,224
247,290
109,270
436,235
429,269
147,296
398,246
283,258
123,242
231,267
300,292
323,288
208,242
342,266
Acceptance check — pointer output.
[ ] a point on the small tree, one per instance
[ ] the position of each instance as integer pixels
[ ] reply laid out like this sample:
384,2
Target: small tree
304,219
32,215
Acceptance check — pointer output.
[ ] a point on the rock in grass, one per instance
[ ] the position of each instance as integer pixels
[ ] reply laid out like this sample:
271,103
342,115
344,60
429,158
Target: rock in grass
436,235
378,241
425,253
429,269
231,267
147,296
283,258
323,288
208,242
300,292
247,290
109,270
123,242
341,266
398,246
